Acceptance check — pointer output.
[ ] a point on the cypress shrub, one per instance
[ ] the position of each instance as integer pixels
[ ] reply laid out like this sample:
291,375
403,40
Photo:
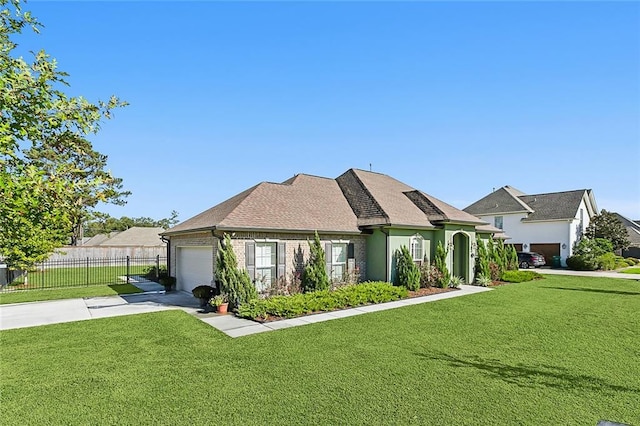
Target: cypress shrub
441,265
233,282
407,272
314,274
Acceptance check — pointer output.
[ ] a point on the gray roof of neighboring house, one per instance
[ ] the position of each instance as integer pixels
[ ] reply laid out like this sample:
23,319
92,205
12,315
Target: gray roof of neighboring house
96,240
539,207
503,200
354,200
136,236
633,229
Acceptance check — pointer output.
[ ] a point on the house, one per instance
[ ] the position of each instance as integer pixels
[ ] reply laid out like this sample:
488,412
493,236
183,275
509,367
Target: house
137,241
361,217
548,224
633,229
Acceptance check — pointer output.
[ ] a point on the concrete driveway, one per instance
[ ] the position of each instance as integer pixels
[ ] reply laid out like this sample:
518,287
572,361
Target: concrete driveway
601,274
20,315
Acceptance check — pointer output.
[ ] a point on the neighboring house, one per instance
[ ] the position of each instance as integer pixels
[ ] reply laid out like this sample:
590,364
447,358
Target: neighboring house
139,242
548,224
633,229
361,217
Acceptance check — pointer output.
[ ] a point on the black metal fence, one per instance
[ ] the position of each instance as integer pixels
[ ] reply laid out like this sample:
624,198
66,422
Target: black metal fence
85,272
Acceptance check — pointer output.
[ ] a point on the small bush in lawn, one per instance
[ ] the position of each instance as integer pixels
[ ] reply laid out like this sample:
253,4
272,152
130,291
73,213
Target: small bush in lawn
323,300
407,272
582,263
519,276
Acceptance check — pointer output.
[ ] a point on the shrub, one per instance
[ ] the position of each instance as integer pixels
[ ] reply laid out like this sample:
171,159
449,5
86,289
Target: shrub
441,265
235,283
519,276
407,272
483,280
314,274
203,292
456,281
494,271
429,275
582,263
322,300
155,274
592,247
606,261
512,261
482,259
631,261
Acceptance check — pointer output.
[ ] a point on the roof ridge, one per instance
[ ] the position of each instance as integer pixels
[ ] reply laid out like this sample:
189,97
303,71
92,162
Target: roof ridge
508,189
557,192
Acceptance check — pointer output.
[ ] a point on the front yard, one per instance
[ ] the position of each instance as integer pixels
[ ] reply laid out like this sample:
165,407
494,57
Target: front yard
563,350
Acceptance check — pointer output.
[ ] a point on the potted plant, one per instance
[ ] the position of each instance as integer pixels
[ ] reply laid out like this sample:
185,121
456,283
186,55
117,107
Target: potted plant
168,282
220,302
204,293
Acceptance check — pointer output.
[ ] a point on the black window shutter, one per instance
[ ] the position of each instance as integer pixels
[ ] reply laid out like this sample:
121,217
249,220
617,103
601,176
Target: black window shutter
250,258
282,259
351,251
327,257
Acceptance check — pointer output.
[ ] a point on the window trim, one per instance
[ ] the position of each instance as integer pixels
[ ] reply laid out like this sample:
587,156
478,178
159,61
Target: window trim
417,241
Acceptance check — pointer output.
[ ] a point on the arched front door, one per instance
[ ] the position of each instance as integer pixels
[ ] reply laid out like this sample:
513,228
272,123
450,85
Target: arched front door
461,256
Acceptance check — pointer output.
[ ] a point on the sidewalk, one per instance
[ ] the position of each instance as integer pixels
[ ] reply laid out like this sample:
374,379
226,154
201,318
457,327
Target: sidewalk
31,314
600,274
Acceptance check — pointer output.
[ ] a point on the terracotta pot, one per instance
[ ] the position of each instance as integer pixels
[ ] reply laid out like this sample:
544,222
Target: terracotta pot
222,309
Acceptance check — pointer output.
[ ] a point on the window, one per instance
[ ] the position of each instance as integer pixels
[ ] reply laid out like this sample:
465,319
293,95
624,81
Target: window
338,261
265,263
497,222
416,248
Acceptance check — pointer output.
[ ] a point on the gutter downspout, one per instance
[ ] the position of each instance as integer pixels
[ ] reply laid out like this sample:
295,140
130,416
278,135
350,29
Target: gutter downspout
168,243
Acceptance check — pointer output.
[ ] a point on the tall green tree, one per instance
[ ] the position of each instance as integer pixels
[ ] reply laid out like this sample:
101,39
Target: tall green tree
440,263
607,225
102,223
314,274
37,202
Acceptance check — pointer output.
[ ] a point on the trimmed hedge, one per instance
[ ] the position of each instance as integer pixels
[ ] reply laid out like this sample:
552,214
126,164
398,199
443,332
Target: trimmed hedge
519,276
321,301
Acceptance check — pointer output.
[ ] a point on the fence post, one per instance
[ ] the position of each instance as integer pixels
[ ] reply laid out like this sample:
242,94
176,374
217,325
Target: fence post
87,276
157,266
128,269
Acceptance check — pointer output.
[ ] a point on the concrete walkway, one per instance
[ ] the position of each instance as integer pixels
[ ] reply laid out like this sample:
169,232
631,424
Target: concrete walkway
21,315
600,274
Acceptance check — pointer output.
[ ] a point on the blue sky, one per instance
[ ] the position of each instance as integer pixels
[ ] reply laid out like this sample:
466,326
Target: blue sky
453,98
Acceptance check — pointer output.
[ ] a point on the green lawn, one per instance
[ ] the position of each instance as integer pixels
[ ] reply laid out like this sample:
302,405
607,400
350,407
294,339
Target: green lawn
66,293
563,350
630,271
68,277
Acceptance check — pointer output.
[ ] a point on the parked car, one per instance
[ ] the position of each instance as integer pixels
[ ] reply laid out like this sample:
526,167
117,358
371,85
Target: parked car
528,259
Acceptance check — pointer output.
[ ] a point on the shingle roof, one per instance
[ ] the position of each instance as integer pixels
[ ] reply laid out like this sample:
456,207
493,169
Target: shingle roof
633,229
553,206
503,200
354,200
384,202
550,206
96,240
303,203
136,236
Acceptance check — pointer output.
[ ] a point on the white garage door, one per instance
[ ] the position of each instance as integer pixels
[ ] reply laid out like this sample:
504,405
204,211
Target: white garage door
194,267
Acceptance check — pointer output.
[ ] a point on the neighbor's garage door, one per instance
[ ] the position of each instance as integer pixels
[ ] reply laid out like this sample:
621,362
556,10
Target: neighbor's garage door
194,266
547,250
